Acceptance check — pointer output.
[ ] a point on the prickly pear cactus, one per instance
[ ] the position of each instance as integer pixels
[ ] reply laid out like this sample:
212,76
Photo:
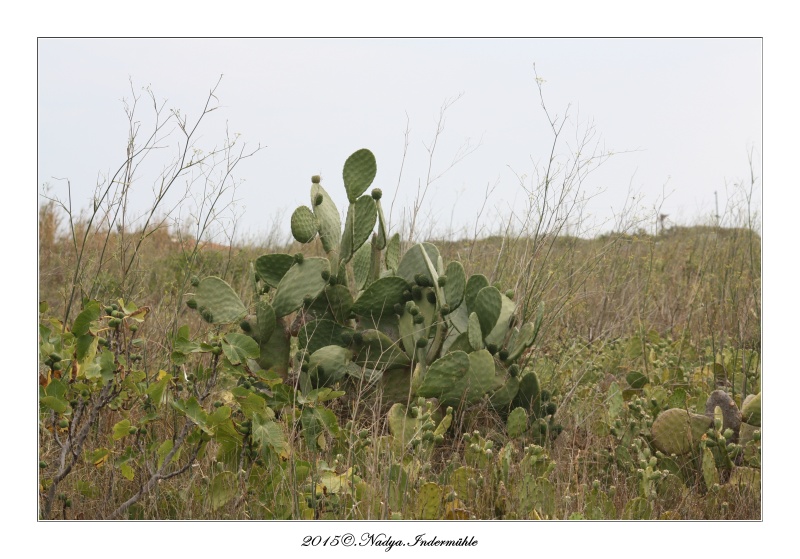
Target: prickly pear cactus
406,324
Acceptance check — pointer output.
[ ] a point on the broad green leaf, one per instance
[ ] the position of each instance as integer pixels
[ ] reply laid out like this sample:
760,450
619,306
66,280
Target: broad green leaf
56,388
121,429
316,421
218,416
223,489
54,403
268,433
192,409
163,450
239,347
250,402
90,313
127,471
157,390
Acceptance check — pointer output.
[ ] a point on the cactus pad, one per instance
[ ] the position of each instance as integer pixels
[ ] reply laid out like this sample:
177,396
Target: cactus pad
456,284
413,262
330,224
304,279
475,283
358,226
751,410
474,332
330,364
217,300
272,267
488,305
378,351
362,261
392,259
358,173
317,334
458,377
380,297
677,431
497,336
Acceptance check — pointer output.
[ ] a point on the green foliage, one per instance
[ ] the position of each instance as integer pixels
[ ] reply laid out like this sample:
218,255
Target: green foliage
358,381
379,311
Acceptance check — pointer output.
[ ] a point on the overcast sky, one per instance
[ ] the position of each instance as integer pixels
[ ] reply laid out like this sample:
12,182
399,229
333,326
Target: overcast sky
680,114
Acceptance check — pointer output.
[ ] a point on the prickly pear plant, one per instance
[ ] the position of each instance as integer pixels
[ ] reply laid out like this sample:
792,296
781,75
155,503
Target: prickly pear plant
721,444
408,324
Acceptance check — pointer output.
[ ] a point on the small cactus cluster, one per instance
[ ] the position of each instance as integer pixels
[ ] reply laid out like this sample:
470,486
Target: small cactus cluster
678,431
409,324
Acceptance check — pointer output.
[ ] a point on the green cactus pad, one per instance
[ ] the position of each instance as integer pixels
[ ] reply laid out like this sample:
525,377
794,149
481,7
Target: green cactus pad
378,351
458,377
220,300
362,262
304,279
330,224
528,395
272,267
426,308
460,343
474,332
358,173
746,433
392,259
746,478
401,426
265,315
358,226
413,262
751,410
317,334
488,304
340,302
380,297
456,284
522,341
410,332
383,231
275,350
475,283
709,469
502,397
677,431
331,364
517,422
304,225
498,334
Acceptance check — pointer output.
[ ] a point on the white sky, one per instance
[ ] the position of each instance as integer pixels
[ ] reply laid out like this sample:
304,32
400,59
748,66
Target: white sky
686,110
